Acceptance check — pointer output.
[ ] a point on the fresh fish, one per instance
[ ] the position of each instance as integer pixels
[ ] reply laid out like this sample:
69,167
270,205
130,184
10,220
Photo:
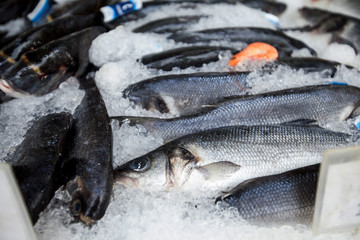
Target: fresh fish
37,161
273,7
184,57
38,36
185,94
282,198
325,104
268,6
168,25
345,29
40,71
219,159
325,67
89,157
283,43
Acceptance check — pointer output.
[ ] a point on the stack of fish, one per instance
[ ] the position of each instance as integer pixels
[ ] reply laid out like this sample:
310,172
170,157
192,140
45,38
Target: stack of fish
222,137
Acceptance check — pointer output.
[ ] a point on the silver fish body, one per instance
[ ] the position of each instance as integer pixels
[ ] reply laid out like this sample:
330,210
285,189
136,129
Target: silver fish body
185,94
220,159
278,199
325,104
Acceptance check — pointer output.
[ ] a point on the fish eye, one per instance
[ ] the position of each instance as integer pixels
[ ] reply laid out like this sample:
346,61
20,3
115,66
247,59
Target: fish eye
140,164
76,207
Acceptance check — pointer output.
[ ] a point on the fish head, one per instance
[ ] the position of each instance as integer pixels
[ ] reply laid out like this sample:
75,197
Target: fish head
86,205
145,172
161,169
146,98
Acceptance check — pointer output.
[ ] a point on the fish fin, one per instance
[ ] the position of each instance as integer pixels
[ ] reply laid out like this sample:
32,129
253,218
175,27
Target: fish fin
355,112
301,122
218,171
336,38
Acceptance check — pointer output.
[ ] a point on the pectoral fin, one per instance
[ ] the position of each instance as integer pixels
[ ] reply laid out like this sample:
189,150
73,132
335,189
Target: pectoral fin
218,171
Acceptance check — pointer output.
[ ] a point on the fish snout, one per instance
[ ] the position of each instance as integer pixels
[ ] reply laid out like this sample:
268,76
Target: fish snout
150,102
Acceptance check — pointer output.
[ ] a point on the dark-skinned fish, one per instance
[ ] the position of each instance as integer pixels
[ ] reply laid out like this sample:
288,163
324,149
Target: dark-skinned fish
184,57
38,159
38,36
89,157
268,6
284,44
344,29
40,71
168,25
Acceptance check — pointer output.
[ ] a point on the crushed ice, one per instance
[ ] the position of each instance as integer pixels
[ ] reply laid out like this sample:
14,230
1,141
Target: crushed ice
133,214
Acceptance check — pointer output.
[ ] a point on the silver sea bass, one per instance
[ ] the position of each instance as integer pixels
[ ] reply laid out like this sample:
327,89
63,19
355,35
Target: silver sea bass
277,199
327,105
185,94
219,159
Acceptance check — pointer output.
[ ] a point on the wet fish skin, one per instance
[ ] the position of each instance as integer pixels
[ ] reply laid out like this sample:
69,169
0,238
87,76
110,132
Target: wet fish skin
278,199
219,159
272,7
168,25
38,36
283,43
185,94
40,71
307,65
37,161
89,157
325,104
184,57
345,29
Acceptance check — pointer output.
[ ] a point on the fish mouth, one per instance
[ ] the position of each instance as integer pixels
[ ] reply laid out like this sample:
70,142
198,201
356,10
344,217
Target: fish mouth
150,103
87,220
127,181
11,90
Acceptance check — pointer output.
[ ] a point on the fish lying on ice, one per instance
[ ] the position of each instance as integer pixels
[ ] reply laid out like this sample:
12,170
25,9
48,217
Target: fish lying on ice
284,44
184,57
219,159
37,161
344,29
40,71
268,6
88,160
38,36
168,25
325,104
185,94
325,67
286,198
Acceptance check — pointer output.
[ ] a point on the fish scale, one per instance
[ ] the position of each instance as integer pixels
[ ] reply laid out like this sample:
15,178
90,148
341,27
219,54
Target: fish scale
325,104
281,198
225,157
185,93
